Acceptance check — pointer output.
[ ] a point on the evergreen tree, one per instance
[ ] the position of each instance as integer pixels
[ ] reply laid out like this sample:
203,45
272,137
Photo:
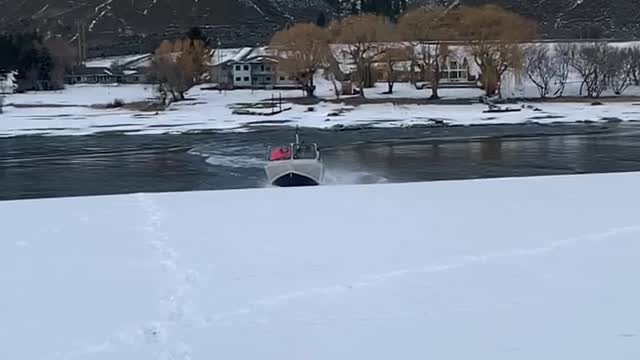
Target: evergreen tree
195,34
321,20
27,54
388,8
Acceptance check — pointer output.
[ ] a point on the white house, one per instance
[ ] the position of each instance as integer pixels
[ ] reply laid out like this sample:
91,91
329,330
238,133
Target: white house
249,68
458,71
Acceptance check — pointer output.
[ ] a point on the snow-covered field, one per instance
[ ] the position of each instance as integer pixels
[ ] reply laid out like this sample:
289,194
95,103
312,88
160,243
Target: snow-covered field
529,268
84,95
68,112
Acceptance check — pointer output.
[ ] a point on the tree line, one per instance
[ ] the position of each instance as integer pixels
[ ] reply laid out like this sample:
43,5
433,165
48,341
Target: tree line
495,39
40,63
176,66
600,66
424,37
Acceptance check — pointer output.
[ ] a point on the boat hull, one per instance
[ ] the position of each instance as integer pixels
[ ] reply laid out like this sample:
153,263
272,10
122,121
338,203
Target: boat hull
295,173
293,179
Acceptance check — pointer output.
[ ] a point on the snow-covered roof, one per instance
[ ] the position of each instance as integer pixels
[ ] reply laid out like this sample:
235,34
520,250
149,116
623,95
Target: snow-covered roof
245,54
221,56
126,60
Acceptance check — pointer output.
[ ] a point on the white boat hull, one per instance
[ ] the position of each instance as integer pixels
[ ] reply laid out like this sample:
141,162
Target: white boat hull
295,172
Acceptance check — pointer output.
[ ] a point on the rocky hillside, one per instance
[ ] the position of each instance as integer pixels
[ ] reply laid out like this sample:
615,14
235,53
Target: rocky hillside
578,18
126,26
123,26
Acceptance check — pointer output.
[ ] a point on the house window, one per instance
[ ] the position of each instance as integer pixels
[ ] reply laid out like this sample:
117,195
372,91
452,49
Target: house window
292,78
246,78
238,78
237,67
246,68
261,67
255,78
268,68
282,78
268,78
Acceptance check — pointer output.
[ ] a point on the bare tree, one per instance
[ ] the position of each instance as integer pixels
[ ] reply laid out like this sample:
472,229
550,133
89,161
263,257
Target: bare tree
494,36
193,60
562,58
389,63
591,62
540,68
302,49
428,30
362,36
162,63
63,57
619,70
178,66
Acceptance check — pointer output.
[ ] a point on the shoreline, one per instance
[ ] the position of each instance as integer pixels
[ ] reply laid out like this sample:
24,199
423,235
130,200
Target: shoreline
83,110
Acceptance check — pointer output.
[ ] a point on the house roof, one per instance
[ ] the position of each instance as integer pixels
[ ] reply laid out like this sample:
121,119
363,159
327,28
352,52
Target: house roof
91,71
226,56
124,61
243,55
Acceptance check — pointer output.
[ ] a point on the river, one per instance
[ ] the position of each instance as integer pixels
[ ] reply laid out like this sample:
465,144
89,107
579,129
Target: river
39,167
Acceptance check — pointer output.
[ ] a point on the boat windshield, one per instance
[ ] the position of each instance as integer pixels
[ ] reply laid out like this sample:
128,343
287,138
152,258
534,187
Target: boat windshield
280,153
304,152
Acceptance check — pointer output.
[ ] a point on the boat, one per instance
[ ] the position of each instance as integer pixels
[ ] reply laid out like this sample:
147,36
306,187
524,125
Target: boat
294,164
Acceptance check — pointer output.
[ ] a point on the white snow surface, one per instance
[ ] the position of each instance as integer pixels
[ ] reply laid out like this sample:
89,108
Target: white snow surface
69,112
528,268
84,95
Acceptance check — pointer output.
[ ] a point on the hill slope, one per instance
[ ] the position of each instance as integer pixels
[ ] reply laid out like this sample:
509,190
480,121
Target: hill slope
131,24
578,18
125,26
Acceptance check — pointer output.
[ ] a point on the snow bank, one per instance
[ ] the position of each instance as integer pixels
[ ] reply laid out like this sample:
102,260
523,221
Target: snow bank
68,112
84,95
530,268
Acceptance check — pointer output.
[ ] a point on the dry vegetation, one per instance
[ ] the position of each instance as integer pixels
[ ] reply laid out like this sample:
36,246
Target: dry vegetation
177,66
422,37
302,50
420,43
363,37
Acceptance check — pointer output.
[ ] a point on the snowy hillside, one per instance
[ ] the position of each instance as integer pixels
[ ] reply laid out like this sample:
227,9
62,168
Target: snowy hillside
134,26
143,23
577,18
530,268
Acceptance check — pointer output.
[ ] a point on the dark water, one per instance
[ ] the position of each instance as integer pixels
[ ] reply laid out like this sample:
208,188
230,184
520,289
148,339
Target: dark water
35,167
